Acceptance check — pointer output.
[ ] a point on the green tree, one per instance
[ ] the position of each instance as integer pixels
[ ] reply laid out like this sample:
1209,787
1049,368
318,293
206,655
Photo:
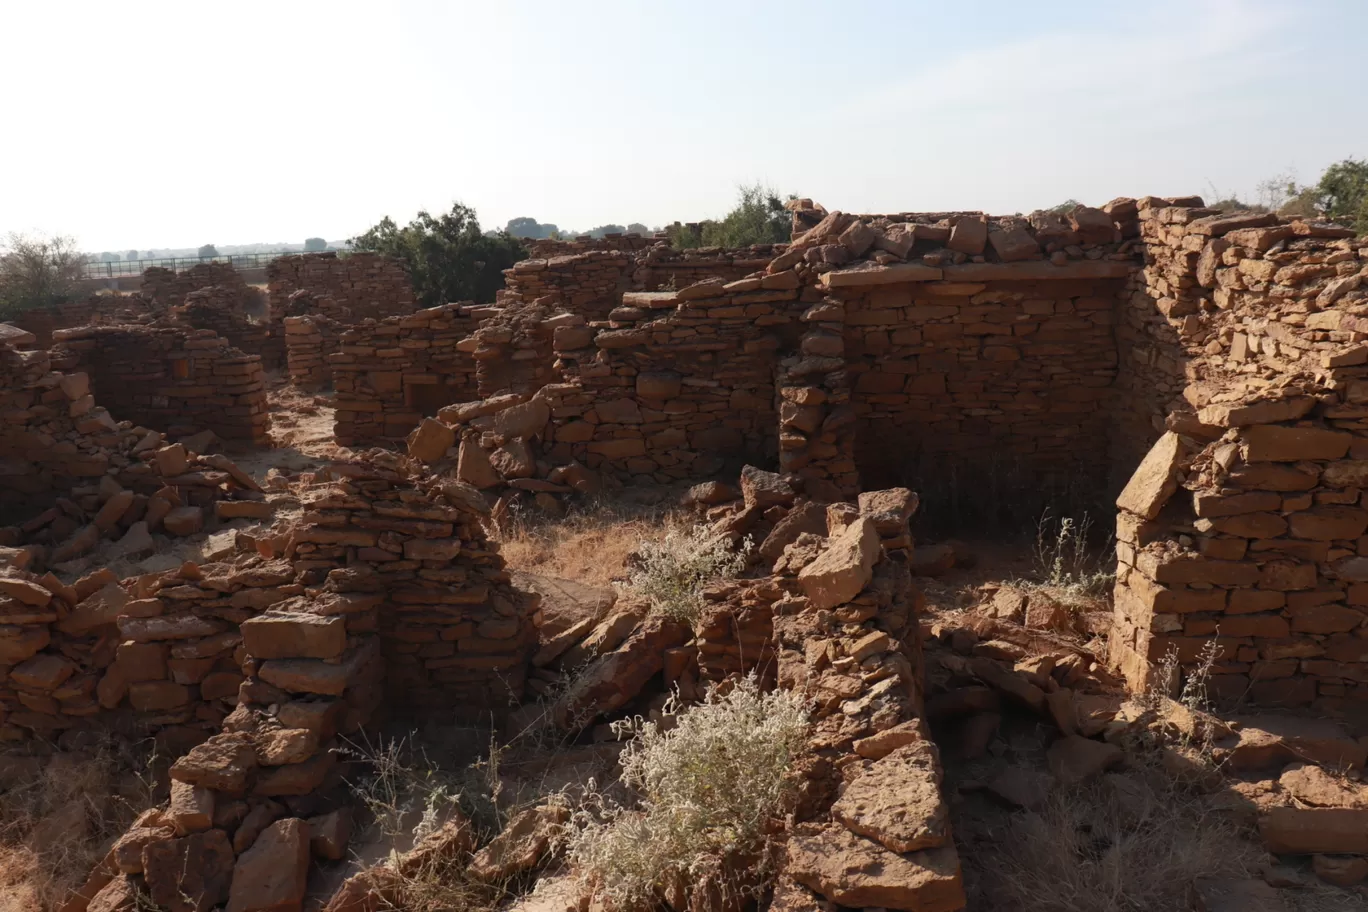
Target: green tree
449,259
131,255
38,272
207,251
315,245
759,217
1342,192
638,228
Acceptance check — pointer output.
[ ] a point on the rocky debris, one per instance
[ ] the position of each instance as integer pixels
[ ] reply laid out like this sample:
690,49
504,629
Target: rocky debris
853,871
272,875
1074,759
844,568
522,845
897,801
110,480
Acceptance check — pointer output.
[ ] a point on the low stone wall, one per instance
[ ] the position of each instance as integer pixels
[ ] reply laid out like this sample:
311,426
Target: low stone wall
387,585
309,341
170,380
590,284
389,375
167,288
71,474
98,308
369,285
544,248
218,308
663,266
684,385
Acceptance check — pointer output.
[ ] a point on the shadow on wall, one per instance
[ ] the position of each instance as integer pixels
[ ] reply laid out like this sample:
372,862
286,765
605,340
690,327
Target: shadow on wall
994,495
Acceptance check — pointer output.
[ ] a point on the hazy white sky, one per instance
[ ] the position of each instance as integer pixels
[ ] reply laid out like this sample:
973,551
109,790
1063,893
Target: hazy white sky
171,124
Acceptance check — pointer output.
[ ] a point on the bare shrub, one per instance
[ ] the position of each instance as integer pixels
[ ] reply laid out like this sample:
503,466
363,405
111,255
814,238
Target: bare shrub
37,271
58,818
589,545
1118,844
707,787
672,572
1068,563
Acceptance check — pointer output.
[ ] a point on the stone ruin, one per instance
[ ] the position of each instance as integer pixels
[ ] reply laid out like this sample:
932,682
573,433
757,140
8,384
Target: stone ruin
1203,370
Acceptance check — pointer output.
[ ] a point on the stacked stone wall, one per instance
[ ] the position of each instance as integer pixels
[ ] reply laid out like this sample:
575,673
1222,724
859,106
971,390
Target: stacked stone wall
168,288
983,389
98,308
544,248
1241,535
686,383
309,341
390,374
590,284
663,266
218,308
170,380
369,285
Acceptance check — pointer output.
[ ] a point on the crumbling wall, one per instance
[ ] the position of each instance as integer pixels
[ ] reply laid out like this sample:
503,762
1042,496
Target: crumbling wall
685,384
387,585
167,287
1241,532
590,283
309,341
544,248
663,267
390,374
170,380
218,308
96,308
369,285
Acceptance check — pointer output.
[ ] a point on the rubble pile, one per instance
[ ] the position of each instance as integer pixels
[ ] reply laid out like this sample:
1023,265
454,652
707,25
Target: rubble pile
76,476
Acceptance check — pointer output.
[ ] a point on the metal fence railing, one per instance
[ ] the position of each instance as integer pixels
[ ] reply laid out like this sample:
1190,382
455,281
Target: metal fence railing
115,269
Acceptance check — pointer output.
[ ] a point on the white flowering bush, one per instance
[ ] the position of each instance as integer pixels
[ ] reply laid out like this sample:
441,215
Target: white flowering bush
671,573
706,787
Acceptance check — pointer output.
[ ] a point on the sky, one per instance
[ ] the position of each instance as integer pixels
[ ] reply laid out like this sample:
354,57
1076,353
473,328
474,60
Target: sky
170,124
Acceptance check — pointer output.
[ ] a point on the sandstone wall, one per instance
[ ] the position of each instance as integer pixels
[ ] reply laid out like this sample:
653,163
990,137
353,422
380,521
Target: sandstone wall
662,266
170,380
984,393
369,285
218,308
167,287
44,321
1244,526
686,383
544,248
389,375
309,341
590,283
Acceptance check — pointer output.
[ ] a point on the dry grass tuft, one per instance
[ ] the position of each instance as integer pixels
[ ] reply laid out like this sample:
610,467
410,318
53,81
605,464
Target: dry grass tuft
709,787
59,814
1119,844
589,545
